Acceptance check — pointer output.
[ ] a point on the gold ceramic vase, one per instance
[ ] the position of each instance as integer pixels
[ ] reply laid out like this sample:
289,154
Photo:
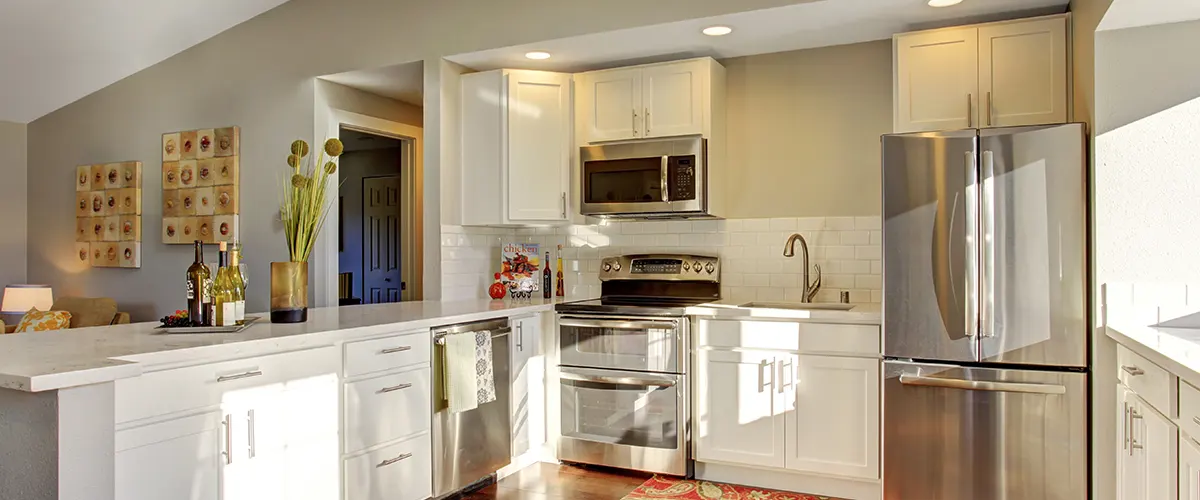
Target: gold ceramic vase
289,292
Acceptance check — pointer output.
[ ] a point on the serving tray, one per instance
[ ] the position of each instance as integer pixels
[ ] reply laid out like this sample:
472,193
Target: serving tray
250,320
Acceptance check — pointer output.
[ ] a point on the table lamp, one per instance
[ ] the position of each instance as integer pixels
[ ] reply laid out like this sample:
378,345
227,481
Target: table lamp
19,299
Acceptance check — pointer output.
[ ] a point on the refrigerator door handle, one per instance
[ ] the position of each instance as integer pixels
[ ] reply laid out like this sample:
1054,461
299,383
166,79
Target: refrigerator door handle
982,385
987,243
971,288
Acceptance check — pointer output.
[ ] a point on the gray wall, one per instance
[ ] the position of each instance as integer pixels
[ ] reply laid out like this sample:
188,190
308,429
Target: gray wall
259,76
803,130
13,209
354,167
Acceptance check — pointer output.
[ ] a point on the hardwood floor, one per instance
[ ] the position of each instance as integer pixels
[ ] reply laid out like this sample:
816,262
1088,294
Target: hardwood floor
544,481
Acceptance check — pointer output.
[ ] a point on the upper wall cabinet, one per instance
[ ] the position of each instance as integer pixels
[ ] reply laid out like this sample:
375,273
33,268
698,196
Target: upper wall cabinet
657,100
516,147
989,75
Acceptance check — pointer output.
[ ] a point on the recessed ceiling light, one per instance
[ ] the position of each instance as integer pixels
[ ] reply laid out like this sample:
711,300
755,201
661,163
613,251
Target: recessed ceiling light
539,55
720,30
943,3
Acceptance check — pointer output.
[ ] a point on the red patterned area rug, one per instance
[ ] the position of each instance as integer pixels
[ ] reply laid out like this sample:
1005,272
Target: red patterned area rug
671,488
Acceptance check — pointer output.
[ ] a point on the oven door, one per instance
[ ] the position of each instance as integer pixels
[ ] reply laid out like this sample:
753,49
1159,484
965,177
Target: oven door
624,419
651,344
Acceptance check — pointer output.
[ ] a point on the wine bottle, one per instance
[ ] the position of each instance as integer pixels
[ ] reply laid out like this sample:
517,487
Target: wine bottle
198,298
560,287
547,286
223,298
239,286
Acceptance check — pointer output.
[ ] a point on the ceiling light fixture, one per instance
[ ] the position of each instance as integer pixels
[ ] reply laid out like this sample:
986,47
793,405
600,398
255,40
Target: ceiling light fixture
721,30
537,55
943,3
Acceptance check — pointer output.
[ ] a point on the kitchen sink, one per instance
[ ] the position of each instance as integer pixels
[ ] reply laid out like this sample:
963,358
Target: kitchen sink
800,306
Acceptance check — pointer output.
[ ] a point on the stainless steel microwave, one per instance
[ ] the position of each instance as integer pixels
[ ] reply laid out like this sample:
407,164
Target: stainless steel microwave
645,179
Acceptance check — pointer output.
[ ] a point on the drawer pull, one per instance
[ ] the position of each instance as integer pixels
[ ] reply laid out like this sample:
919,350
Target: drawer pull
391,461
1196,420
227,378
228,423
394,350
394,388
1133,370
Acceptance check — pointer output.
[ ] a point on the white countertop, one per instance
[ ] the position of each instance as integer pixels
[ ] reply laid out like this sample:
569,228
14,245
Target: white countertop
44,361
864,314
1175,349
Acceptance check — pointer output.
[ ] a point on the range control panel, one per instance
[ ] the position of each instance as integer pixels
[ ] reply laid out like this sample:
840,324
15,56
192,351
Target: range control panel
661,267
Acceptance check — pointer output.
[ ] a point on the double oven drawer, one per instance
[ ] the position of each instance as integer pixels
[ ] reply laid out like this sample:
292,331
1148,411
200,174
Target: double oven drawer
645,344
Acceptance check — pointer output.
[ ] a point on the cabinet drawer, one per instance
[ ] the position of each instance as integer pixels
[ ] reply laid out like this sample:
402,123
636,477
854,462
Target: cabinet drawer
403,471
791,336
386,408
169,391
1189,410
376,355
1148,380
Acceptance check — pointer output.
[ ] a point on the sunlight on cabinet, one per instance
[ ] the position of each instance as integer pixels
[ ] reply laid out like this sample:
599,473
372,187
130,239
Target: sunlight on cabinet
833,415
736,415
1189,469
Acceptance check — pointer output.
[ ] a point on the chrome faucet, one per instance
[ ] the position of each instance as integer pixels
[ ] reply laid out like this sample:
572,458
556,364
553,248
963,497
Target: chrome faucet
789,250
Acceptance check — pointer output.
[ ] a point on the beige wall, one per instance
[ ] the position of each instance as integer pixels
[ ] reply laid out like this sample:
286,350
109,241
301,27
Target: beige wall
13,208
345,98
260,75
804,130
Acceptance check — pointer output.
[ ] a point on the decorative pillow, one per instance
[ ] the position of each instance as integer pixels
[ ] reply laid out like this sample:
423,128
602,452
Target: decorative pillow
40,321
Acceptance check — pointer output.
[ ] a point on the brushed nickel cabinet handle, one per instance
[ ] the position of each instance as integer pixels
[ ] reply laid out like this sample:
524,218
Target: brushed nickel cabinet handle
391,461
564,205
228,423
1133,370
1196,420
392,350
394,388
647,118
635,123
970,110
250,433
227,378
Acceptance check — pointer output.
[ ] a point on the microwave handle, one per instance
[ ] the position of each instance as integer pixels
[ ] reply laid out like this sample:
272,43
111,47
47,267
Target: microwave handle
665,160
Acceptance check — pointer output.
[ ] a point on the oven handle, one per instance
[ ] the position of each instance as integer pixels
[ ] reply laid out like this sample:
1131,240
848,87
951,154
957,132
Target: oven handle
618,323
637,381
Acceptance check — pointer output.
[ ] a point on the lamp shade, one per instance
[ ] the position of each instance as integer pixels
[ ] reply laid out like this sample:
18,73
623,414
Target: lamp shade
22,298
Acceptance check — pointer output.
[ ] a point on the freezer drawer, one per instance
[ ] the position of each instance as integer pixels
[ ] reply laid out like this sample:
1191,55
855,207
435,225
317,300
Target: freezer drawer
952,432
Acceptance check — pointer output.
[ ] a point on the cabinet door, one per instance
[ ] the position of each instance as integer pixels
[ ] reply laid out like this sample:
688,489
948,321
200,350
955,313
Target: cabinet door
611,104
308,417
1189,468
528,386
178,459
673,97
253,421
1023,73
1129,469
539,143
735,411
1157,443
832,418
937,80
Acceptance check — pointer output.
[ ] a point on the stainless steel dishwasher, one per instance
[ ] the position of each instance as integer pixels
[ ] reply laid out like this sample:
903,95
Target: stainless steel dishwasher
471,445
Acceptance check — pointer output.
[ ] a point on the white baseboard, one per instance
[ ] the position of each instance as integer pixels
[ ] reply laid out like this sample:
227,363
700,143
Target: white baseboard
849,489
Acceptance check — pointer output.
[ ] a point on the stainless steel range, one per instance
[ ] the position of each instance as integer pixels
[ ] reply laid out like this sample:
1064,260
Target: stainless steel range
623,363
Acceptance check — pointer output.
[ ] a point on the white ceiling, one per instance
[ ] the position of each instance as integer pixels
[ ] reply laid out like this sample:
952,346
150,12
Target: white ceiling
54,52
807,25
1134,13
402,82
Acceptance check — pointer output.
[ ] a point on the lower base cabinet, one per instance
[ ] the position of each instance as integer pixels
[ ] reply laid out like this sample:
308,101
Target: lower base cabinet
1189,469
832,419
177,459
401,471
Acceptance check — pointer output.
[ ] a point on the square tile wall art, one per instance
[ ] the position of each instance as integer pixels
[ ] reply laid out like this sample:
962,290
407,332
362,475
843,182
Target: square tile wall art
200,185
108,214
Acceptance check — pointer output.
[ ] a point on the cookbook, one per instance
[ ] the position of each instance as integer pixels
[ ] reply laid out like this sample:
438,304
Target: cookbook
519,265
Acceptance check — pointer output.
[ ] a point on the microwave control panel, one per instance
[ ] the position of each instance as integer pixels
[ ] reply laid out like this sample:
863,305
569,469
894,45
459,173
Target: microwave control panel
681,180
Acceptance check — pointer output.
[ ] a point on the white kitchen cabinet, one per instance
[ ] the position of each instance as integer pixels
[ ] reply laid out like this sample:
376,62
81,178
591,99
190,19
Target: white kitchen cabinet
832,415
1189,468
1130,482
1023,72
178,459
656,100
516,147
1148,460
989,75
528,372
738,408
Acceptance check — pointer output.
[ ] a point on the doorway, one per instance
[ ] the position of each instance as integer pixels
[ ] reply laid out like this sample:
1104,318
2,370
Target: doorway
375,236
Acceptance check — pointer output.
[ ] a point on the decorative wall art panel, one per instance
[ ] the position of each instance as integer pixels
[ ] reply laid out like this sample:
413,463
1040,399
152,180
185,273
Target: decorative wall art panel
108,214
200,185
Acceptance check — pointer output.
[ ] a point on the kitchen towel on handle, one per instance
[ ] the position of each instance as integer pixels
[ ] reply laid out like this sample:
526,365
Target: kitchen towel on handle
485,380
462,383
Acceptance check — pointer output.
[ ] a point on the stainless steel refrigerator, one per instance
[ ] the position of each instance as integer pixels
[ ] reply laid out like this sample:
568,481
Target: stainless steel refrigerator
985,314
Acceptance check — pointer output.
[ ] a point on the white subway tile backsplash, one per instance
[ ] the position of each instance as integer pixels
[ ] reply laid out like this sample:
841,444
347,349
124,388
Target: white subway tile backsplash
846,248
